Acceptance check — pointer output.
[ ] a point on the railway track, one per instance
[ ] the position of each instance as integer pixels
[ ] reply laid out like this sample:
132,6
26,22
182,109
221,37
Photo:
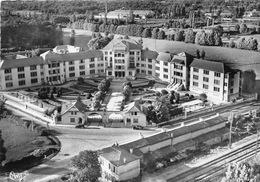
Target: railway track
216,166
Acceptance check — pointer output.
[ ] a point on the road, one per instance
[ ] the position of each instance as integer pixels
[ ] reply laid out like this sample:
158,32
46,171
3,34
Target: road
73,141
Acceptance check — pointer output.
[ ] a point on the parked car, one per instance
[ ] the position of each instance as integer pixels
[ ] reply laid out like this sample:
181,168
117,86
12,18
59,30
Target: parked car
138,127
80,126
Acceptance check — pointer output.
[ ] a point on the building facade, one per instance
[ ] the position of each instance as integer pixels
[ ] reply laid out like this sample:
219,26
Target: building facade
122,58
216,80
118,164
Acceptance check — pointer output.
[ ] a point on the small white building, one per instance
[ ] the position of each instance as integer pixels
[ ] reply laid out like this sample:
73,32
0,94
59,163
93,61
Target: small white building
118,164
73,114
133,115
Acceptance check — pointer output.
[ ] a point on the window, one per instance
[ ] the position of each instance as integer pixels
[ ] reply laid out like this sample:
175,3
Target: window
130,73
178,73
106,53
92,71
10,84
232,83
142,71
8,77
82,67
195,84
157,68
21,82
142,65
109,73
150,73
33,67
8,70
225,84
165,76
205,79
216,89
132,53
180,67
71,68
34,80
20,69
92,65
71,63
82,61
206,72
135,120
150,60
196,70
231,90
33,74
165,70
128,120
216,74
195,77
72,120
205,86
82,73
150,66
21,75
72,75
92,59
165,63
216,82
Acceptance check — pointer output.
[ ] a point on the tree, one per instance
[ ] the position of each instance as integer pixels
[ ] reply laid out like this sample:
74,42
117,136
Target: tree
203,97
2,149
179,35
242,172
243,28
155,33
161,34
202,54
72,38
198,53
162,113
252,44
151,114
189,36
127,92
102,87
147,33
201,38
88,166
232,44
172,96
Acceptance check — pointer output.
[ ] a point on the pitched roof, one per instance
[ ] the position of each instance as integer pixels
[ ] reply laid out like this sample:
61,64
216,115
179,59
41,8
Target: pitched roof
208,65
162,56
121,43
117,155
14,63
79,105
132,105
51,56
174,133
149,54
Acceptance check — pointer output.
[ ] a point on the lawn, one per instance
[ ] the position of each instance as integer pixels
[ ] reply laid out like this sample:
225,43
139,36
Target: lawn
19,141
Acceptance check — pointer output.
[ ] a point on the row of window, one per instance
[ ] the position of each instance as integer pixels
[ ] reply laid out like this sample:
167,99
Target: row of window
205,86
21,82
206,72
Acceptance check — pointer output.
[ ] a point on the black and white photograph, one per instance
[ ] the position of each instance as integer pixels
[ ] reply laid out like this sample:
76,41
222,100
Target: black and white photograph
130,91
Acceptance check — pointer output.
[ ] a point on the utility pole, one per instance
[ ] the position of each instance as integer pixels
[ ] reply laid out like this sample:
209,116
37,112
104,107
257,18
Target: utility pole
231,118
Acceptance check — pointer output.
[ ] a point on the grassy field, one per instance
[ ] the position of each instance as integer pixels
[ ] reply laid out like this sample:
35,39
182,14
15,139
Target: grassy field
19,141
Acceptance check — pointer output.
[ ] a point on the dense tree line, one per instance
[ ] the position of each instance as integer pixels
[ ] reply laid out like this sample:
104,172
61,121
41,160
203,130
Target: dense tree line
28,36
